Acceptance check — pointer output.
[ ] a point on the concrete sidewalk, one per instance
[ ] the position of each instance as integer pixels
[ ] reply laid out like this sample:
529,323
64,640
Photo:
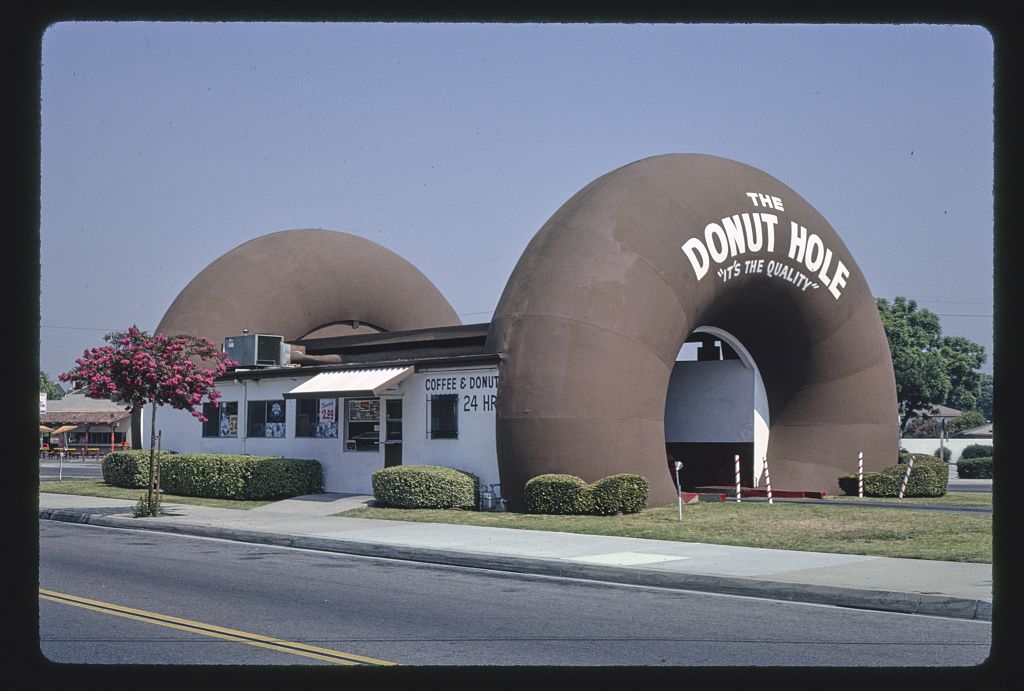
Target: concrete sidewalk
939,588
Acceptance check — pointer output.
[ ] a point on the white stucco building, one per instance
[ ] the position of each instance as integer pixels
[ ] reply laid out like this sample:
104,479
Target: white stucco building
425,397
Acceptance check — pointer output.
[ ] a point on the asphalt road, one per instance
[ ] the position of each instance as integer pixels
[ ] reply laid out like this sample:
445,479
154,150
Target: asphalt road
51,471
361,609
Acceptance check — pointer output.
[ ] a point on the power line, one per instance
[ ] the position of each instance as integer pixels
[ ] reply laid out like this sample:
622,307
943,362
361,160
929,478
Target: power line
945,301
79,328
75,328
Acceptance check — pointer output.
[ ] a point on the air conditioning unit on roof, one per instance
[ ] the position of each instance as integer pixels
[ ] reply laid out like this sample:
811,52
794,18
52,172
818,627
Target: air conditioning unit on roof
256,350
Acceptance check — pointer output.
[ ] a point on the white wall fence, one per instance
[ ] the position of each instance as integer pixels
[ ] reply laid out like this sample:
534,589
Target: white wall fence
930,446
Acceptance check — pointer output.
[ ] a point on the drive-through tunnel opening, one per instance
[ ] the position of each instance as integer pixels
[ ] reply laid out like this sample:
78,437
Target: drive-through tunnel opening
716,409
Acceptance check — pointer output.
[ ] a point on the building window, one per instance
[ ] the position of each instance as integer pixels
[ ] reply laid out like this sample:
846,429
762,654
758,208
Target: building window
221,420
316,417
443,416
362,424
101,438
266,419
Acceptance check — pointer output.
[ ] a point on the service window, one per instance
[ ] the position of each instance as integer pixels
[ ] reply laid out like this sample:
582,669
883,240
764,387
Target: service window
266,419
362,424
443,416
316,417
221,420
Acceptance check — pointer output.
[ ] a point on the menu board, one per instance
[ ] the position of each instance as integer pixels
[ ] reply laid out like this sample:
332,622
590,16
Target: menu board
364,410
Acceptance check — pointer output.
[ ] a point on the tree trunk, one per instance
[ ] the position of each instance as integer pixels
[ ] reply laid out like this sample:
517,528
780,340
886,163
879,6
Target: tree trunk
137,428
152,459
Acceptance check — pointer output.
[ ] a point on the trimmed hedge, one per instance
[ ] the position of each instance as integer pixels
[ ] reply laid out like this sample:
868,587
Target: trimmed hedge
975,468
558,493
977,451
561,494
425,487
928,478
626,493
219,476
129,468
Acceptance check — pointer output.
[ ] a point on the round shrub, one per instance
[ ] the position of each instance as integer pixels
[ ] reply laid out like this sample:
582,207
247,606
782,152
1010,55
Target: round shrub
558,493
626,493
941,469
946,453
976,451
975,468
425,487
924,481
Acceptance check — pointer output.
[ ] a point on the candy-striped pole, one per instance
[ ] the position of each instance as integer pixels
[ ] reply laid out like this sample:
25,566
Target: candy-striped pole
906,476
860,474
679,489
737,477
768,479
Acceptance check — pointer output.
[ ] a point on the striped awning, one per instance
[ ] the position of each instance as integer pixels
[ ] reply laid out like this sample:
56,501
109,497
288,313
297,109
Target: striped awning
357,382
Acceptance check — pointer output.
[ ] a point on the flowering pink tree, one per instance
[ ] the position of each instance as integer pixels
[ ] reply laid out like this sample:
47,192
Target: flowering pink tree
137,368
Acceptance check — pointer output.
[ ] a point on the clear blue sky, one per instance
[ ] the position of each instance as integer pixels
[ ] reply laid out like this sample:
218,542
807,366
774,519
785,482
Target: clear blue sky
165,145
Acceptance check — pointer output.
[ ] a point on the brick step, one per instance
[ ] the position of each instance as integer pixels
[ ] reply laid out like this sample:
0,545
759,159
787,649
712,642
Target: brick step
693,497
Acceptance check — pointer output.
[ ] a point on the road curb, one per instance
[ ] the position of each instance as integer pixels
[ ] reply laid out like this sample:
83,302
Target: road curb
856,598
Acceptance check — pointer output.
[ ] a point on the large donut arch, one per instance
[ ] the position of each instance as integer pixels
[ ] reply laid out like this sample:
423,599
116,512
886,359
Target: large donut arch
597,308
296,282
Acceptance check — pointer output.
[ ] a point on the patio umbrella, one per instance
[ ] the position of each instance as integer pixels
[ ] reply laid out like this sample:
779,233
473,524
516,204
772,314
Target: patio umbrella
63,429
43,429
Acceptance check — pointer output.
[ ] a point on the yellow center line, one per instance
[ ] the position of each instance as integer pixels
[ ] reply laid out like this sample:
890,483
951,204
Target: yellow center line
253,639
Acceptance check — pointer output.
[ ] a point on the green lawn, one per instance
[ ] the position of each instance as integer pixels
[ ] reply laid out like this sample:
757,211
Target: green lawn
913,534
866,530
98,488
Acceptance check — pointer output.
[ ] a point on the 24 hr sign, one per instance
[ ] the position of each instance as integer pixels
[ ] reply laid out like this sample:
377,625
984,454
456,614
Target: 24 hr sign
477,391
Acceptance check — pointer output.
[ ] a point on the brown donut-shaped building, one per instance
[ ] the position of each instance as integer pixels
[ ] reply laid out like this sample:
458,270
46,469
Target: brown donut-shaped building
596,310
307,283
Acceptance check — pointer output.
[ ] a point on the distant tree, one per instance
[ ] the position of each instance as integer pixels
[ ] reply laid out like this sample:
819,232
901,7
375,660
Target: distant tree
923,427
985,397
930,369
47,386
963,358
914,339
137,368
969,420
